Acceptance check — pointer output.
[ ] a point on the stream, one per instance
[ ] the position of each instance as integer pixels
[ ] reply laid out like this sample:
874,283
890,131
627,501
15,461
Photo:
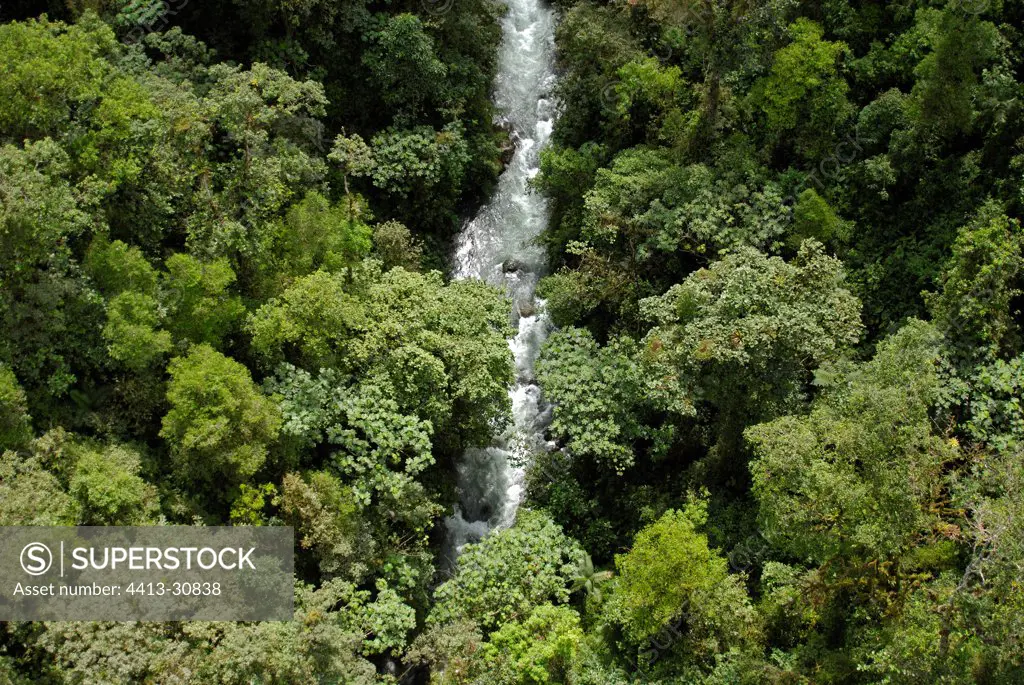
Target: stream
498,247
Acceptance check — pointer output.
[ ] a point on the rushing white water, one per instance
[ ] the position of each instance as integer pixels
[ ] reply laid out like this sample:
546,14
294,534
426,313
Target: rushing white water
498,246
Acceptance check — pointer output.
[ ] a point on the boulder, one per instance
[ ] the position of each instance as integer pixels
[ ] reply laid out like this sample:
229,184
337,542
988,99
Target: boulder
511,266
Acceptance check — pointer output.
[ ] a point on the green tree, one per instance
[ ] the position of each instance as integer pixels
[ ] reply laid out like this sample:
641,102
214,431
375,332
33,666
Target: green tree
313,318
30,495
248,509
974,308
716,41
325,514
565,176
15,423
994,413
442,350
669,562
947,80
601,394
324,641
745,334
508,574
403,63
268,123
109,490
395,245
814,219
201,307
593,44
982,614
535,651
451,650
317,234
375,458
115,267
646,222
589,580
804,97
49,70
220,425
131,331
40,212
438,350
652,96
381,449
421,172
674,594
855,477
353,156
53,322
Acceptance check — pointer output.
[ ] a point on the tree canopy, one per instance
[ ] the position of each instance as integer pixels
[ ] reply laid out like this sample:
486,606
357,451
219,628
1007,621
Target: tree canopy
779,334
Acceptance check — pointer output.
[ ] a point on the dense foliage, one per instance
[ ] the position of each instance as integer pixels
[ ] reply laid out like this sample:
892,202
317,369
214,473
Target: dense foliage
787,279
787,251
212,316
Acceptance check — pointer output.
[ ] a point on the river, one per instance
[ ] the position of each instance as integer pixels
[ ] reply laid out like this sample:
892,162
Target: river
498,246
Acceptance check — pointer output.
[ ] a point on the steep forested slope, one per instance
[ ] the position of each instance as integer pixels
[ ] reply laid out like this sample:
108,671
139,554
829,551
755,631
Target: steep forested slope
787,372
214,313
790,299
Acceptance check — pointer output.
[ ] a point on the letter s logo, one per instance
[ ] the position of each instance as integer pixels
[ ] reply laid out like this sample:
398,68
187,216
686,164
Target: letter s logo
36,558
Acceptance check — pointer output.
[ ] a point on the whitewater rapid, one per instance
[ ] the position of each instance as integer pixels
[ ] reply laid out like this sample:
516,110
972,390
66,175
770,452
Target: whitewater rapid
498,246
